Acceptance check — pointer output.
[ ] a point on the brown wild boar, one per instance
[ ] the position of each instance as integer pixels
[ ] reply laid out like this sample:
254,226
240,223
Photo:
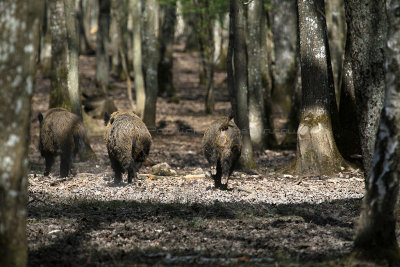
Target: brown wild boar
61,133
222,144
128,143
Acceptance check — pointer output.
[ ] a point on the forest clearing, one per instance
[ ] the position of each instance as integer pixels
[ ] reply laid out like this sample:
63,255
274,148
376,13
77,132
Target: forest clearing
265,217
199,132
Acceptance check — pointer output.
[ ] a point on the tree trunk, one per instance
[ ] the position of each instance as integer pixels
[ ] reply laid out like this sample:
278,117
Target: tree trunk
45,44
366,22
102,42
284,28
73,57
20,24
241,83
166,48
151,66
376,235
316,148
336,24
135,8
256,88
59,95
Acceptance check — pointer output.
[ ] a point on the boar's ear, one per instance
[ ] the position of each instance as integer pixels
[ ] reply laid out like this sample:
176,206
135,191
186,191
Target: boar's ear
106,118
40,117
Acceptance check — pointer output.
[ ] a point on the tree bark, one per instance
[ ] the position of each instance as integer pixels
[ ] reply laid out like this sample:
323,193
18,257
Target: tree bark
135,8
376,235
19,38
59,95
366,22
73,57
151,67
256,88
316,148
241,83
166,48
102,43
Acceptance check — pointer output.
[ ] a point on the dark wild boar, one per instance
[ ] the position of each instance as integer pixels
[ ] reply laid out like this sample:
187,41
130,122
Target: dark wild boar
61,133
128,143
222,146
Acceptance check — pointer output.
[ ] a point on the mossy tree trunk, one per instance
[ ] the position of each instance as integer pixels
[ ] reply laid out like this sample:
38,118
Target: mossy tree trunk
256,89
150,48
19,38
166,48
102,43
376,235
135,7
59,96
316,148
367,26
239,80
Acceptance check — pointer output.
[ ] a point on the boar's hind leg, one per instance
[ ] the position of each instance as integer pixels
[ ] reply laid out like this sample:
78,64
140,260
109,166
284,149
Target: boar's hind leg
117,170
226,172
49,163
217,176
132,171
66,162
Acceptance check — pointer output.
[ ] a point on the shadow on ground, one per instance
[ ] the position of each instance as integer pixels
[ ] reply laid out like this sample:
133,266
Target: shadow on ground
90,232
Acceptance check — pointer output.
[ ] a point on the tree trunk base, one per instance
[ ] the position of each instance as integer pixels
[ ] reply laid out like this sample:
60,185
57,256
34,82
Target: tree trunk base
317,153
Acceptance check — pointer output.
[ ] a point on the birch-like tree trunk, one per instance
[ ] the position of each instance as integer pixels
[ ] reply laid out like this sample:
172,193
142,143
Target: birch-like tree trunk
240,81
376,235
151,67
135,7
316,148
367,26
102,43
19,38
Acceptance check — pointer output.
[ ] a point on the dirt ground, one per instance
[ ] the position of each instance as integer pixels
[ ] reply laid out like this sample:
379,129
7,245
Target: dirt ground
265,218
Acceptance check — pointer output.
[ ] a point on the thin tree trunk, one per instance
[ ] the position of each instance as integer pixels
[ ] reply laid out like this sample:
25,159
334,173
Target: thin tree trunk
256,88
59,95
166,48
102,42
73,57
316,148
135,8
45,44
366,22
241,84
376,235
151,66
19,38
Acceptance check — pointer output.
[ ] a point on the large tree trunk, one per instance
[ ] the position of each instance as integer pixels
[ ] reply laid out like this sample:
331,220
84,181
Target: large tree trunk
45,44
316,148
102,42
166,48
240,82
376,235
367,26
256,88
135,8
59,95
151,66
20,25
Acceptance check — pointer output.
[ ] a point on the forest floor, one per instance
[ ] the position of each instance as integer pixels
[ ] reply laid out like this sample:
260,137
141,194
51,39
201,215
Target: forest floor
265,218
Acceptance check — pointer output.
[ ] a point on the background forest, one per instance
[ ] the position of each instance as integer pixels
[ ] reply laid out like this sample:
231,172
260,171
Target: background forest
312,85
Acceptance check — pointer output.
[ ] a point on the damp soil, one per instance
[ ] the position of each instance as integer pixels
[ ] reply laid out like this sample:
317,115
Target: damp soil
264,218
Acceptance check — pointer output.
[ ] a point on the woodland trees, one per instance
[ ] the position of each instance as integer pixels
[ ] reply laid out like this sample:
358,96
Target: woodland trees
19,39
